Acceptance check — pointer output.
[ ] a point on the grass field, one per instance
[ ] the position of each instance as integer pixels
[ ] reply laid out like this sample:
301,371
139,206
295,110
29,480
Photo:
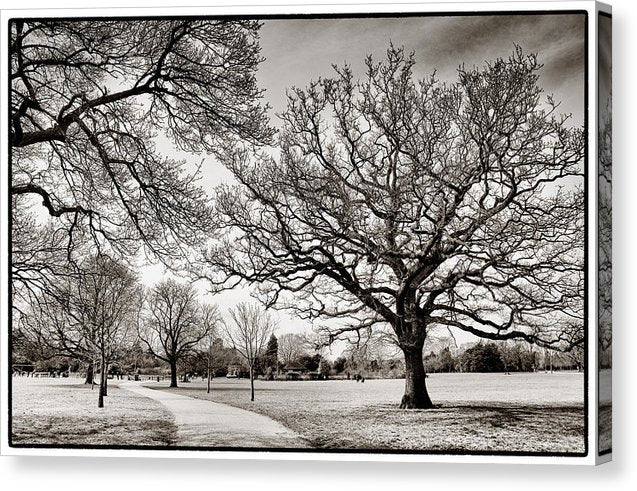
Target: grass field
605,410
64,411
477,412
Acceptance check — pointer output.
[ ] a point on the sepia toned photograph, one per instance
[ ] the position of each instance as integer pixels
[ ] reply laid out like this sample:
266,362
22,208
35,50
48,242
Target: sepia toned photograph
310,233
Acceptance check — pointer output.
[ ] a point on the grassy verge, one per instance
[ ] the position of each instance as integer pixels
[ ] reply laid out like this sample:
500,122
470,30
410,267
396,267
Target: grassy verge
605,427
64,411
365,416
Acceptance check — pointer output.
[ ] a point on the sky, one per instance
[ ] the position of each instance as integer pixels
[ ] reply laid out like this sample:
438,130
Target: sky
297,51
605,64
300,50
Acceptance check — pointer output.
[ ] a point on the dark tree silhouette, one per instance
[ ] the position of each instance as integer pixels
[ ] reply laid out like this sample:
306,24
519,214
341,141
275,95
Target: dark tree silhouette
414,204
270,358
92,105
38,259
175,323
484,358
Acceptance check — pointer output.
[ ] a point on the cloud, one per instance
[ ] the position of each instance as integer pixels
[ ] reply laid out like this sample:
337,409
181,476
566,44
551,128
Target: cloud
299,50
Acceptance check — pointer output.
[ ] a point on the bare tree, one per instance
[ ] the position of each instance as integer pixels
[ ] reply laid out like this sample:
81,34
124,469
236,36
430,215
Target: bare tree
211,318
174,323
249,334
605,235
291,346
94,321
415,204
91,104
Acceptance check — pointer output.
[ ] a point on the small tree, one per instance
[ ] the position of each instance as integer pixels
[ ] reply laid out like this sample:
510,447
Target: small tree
270,357
339,364
248,335
92,316
291,347
175,323
325,367
483,358
212,344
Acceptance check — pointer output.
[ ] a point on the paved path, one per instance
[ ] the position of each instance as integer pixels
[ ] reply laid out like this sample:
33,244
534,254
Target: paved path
203,423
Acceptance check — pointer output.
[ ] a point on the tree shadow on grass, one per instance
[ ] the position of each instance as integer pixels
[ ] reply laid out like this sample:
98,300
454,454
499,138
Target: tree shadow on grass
569,418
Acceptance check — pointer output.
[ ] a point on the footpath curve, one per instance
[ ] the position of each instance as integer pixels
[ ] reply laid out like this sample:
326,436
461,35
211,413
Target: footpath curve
202,423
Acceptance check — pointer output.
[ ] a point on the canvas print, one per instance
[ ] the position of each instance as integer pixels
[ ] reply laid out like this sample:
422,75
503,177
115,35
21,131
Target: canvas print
605,228
334,233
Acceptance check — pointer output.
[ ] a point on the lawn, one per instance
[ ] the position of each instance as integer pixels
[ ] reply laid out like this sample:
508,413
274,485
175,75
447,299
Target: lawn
60,411
477,412
605,410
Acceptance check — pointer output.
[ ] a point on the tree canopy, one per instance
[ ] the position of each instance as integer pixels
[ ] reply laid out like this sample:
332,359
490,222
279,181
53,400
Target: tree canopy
93,103
175,323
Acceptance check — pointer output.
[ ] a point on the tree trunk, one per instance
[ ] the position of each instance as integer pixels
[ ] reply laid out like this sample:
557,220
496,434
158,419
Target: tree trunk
251,384
105,379
100,400
416,396
173,373
89,374
208,387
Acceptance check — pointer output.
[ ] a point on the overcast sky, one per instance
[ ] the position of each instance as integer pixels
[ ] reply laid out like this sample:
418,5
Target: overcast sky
299,50
605,64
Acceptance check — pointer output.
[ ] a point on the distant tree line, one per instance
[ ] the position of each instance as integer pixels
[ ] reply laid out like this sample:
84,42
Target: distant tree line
502,357
481,357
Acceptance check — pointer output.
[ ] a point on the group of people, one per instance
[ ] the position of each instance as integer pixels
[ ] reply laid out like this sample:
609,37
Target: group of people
358,377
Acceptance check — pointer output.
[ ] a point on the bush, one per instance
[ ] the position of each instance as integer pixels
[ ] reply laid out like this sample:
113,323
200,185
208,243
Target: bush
339,364
482,358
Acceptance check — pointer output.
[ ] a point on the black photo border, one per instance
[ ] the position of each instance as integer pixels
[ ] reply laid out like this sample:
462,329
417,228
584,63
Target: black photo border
332,451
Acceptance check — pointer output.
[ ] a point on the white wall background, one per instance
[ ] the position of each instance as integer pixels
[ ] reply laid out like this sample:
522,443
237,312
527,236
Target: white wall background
61,473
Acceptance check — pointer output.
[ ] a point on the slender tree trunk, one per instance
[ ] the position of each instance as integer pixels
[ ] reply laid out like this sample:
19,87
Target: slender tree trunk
105,379
173,373
416,396
89,374
251,383
100,400
208,387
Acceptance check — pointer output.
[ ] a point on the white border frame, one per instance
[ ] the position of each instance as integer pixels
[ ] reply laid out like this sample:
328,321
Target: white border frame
590,6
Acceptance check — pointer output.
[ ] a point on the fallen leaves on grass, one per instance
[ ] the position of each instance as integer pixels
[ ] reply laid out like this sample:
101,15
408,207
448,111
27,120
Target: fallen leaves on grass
342,415
57,412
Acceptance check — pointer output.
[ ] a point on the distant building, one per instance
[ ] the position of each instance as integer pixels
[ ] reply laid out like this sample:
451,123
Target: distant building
236,371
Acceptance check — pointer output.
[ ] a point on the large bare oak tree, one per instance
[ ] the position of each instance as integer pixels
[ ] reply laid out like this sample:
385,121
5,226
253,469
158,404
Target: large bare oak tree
414,204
